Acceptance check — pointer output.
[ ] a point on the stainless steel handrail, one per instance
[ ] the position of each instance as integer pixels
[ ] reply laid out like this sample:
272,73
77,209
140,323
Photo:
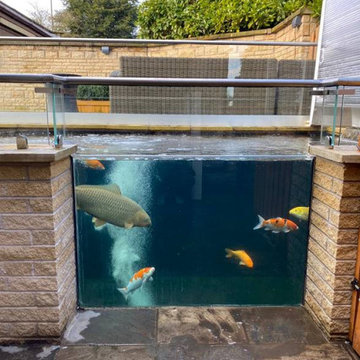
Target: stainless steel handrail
154,42
175,82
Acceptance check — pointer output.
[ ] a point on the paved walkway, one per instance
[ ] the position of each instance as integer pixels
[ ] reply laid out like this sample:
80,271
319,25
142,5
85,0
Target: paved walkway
218,333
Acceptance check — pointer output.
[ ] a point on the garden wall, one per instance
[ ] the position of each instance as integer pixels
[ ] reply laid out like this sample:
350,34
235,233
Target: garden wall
86,58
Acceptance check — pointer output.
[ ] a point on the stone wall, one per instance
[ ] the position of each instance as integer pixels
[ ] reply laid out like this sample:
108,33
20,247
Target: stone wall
37,255
86,59
307,31
333,241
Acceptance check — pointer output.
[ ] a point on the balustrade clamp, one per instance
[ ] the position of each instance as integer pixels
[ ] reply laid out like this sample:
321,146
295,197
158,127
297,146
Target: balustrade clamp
47,90
355,285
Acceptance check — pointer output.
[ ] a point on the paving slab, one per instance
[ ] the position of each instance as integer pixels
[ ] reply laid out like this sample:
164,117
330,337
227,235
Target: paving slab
268,325
197,351
296,351
99,352
203,325
28,352
113,327
189,333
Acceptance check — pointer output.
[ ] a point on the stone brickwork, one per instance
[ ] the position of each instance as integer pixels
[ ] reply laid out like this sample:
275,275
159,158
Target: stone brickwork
307,31
333,240
37,256
86,58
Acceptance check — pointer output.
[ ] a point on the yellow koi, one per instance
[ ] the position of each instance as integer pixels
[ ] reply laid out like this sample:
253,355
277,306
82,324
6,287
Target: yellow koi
301,212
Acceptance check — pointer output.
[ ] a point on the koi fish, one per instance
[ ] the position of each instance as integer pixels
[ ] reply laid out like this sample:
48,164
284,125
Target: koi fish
301,212
137,281
108,205
94,164
276,225
241,255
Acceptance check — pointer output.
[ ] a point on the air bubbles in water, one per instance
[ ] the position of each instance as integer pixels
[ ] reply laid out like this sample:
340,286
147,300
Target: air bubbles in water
128,253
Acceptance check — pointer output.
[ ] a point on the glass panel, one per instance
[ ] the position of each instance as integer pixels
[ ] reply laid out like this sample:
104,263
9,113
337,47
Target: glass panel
22,106
96,107
55,109
349,114
33,110
158,108
325,112
199,205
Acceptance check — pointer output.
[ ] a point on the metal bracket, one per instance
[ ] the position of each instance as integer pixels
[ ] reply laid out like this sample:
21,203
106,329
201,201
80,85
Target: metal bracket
57,90
355,285
319,92
47,90
43,90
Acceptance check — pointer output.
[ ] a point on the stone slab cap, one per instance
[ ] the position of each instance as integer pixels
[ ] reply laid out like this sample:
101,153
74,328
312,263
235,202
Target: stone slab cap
340,154
35,153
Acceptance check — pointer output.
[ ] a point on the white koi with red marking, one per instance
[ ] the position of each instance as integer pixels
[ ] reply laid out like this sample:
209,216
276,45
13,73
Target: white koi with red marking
137,281
276,225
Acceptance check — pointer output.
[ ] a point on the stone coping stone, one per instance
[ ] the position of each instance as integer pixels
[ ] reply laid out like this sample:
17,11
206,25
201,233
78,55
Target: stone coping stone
35,153
341,154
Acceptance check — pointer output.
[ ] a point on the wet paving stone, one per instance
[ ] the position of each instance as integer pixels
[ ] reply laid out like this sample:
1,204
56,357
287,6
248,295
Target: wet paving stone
204,352
216,333
98,352
200,325
114,327
28,352
267,325
293,351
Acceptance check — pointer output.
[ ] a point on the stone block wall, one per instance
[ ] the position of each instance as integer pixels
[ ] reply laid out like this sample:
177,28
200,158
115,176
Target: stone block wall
333,241
37,256
86,58
307,31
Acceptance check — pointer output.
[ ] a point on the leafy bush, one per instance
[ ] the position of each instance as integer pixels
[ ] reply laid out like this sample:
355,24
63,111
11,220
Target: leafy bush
315,6
93,92
176,19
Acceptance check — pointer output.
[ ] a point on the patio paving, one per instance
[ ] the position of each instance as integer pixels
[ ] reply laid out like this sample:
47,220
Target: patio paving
184,333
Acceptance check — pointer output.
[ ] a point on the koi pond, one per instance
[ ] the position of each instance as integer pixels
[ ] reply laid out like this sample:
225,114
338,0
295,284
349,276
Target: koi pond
172,220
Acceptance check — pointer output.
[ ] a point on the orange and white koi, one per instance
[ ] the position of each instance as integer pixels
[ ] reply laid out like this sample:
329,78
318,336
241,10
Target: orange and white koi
241,255
94,164
276,225
137,281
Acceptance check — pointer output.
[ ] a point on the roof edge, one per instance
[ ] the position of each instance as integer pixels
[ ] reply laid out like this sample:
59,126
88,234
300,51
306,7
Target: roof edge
13,13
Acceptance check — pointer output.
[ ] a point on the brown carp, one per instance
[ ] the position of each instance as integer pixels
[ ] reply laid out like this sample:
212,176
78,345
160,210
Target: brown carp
107,205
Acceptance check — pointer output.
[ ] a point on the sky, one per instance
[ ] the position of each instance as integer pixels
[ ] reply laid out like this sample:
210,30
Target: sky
24,6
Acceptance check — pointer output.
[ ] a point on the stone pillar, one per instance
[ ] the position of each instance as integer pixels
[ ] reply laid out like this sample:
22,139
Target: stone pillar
37,257
333,240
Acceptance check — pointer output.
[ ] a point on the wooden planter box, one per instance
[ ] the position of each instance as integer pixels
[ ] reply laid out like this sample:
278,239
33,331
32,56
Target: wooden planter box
96,106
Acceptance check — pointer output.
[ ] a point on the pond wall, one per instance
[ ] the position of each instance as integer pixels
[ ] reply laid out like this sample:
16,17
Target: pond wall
37,254
333,240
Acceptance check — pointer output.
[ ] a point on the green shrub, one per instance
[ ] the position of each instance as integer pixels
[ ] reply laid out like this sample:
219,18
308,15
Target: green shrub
93,92
315,6
177,19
